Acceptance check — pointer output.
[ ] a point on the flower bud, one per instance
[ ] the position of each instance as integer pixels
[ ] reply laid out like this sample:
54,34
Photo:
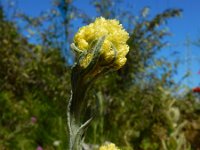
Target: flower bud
110,146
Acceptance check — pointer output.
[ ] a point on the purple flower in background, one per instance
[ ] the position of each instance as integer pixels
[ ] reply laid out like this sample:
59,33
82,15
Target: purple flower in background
33,119
39,148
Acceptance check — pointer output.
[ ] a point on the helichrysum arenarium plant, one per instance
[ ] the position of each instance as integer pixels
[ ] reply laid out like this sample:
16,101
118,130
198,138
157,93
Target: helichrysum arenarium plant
100,47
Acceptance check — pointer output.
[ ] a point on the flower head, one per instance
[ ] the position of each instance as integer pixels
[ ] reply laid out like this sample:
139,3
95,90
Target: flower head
109,147
196,90
114,47
33,119
39,148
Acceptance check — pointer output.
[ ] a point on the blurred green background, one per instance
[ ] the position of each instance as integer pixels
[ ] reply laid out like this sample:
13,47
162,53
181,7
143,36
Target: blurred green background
139,107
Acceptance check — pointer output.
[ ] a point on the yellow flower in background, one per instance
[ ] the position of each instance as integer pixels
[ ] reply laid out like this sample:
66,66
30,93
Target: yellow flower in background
109,147
114,46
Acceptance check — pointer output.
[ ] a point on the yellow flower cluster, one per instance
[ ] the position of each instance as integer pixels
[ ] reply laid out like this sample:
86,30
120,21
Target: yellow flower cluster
115,38
109,147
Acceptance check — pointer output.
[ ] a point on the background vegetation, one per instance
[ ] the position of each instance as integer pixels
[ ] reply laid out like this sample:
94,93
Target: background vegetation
138,107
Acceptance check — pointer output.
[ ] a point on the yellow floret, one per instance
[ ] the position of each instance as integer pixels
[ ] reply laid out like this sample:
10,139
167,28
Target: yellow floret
115,36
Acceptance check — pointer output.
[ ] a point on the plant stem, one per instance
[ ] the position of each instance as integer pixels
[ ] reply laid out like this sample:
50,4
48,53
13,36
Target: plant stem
75,129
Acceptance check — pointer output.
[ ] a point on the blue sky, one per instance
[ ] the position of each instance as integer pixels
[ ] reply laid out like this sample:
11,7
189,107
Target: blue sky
187,26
